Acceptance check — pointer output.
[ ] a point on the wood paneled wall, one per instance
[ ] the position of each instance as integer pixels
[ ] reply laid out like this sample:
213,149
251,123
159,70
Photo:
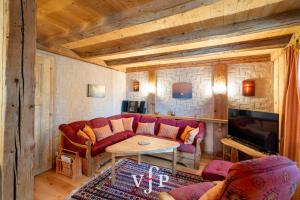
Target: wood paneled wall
18,137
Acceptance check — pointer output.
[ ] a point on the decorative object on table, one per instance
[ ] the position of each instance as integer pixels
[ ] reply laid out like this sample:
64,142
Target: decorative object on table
132,106
248,88
135,86
95,90
68,163
124,188
171,113
182,90
143,142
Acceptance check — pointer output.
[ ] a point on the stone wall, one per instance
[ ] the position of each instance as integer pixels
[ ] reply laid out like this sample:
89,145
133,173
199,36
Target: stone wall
262,73
201,103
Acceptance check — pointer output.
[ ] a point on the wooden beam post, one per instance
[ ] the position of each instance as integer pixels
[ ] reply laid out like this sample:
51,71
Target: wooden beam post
17,59
220,104
151,91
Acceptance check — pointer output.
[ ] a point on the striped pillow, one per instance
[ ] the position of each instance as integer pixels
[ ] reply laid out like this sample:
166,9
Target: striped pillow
117,125
168,131
127,123
191,136
145,128
102,132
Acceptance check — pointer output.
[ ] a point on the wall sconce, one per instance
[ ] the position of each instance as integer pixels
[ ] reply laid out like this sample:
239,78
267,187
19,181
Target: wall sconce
151,88
219,87
249,88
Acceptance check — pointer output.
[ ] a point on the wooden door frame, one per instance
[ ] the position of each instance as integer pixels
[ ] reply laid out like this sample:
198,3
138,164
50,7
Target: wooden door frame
51,108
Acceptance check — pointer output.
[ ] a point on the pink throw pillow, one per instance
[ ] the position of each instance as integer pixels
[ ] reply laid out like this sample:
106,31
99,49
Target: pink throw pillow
117,125
145,128
127,123
168,131
102,132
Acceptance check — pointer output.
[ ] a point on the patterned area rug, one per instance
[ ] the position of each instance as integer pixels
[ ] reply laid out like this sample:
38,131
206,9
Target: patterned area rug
101,188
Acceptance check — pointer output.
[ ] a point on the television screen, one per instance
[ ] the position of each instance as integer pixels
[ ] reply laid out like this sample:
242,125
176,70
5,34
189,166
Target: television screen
259,129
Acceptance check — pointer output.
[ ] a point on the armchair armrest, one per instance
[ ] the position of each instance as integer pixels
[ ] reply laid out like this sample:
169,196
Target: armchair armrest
165,196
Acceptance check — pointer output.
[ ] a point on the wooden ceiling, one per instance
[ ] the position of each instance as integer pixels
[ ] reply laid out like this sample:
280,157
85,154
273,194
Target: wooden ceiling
135,35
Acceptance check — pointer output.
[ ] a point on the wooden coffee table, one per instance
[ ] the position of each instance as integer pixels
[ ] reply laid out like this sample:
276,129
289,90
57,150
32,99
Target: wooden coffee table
132,147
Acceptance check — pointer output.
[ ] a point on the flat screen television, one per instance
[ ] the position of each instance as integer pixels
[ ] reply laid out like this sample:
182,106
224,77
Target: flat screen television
258,129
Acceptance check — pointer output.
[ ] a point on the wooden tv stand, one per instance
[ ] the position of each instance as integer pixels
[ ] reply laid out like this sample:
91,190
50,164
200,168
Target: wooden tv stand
231,150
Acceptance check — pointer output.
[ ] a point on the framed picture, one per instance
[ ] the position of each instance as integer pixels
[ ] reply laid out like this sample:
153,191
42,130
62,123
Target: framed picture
133,106
135,86
95,90
182,90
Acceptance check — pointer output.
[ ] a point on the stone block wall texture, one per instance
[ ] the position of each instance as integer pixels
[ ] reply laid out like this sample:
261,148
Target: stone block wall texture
142,77
262,73
200,105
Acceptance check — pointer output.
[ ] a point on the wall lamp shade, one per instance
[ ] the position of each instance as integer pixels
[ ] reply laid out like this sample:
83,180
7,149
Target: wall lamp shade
249,88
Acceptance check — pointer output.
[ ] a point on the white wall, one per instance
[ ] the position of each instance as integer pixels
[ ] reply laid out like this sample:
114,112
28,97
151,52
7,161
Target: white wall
71,78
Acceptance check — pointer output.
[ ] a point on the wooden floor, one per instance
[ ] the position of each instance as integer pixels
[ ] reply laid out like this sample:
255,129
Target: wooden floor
49,185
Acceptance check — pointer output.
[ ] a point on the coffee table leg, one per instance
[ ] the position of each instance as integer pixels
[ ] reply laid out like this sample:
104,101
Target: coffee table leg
113,168
174,160
139,159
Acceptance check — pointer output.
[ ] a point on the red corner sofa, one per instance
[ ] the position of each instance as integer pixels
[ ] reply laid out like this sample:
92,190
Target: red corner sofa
188,154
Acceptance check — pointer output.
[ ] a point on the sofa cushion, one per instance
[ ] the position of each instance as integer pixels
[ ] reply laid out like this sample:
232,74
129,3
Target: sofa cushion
103,132
191,192
118,137
117,125
164,120
145,128
80,133
129,133
216,170
168,131
191,136
99,146
89,131
127,123
187,148
185,133
136,117
114,117
183,123
97,122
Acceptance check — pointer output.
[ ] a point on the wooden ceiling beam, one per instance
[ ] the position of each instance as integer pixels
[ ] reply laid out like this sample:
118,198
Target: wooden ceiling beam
137,15
236,60
269,43
210,11
178,61
272,26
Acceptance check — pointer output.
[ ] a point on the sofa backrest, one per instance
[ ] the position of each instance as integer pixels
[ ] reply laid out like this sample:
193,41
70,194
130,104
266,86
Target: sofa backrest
98,122
271,177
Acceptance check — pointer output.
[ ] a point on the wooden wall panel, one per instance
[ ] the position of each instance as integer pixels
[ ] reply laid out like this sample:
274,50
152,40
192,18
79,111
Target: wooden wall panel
220,106
18,142
151,91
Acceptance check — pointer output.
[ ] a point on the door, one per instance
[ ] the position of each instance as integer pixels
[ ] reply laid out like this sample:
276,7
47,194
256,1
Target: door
43,115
